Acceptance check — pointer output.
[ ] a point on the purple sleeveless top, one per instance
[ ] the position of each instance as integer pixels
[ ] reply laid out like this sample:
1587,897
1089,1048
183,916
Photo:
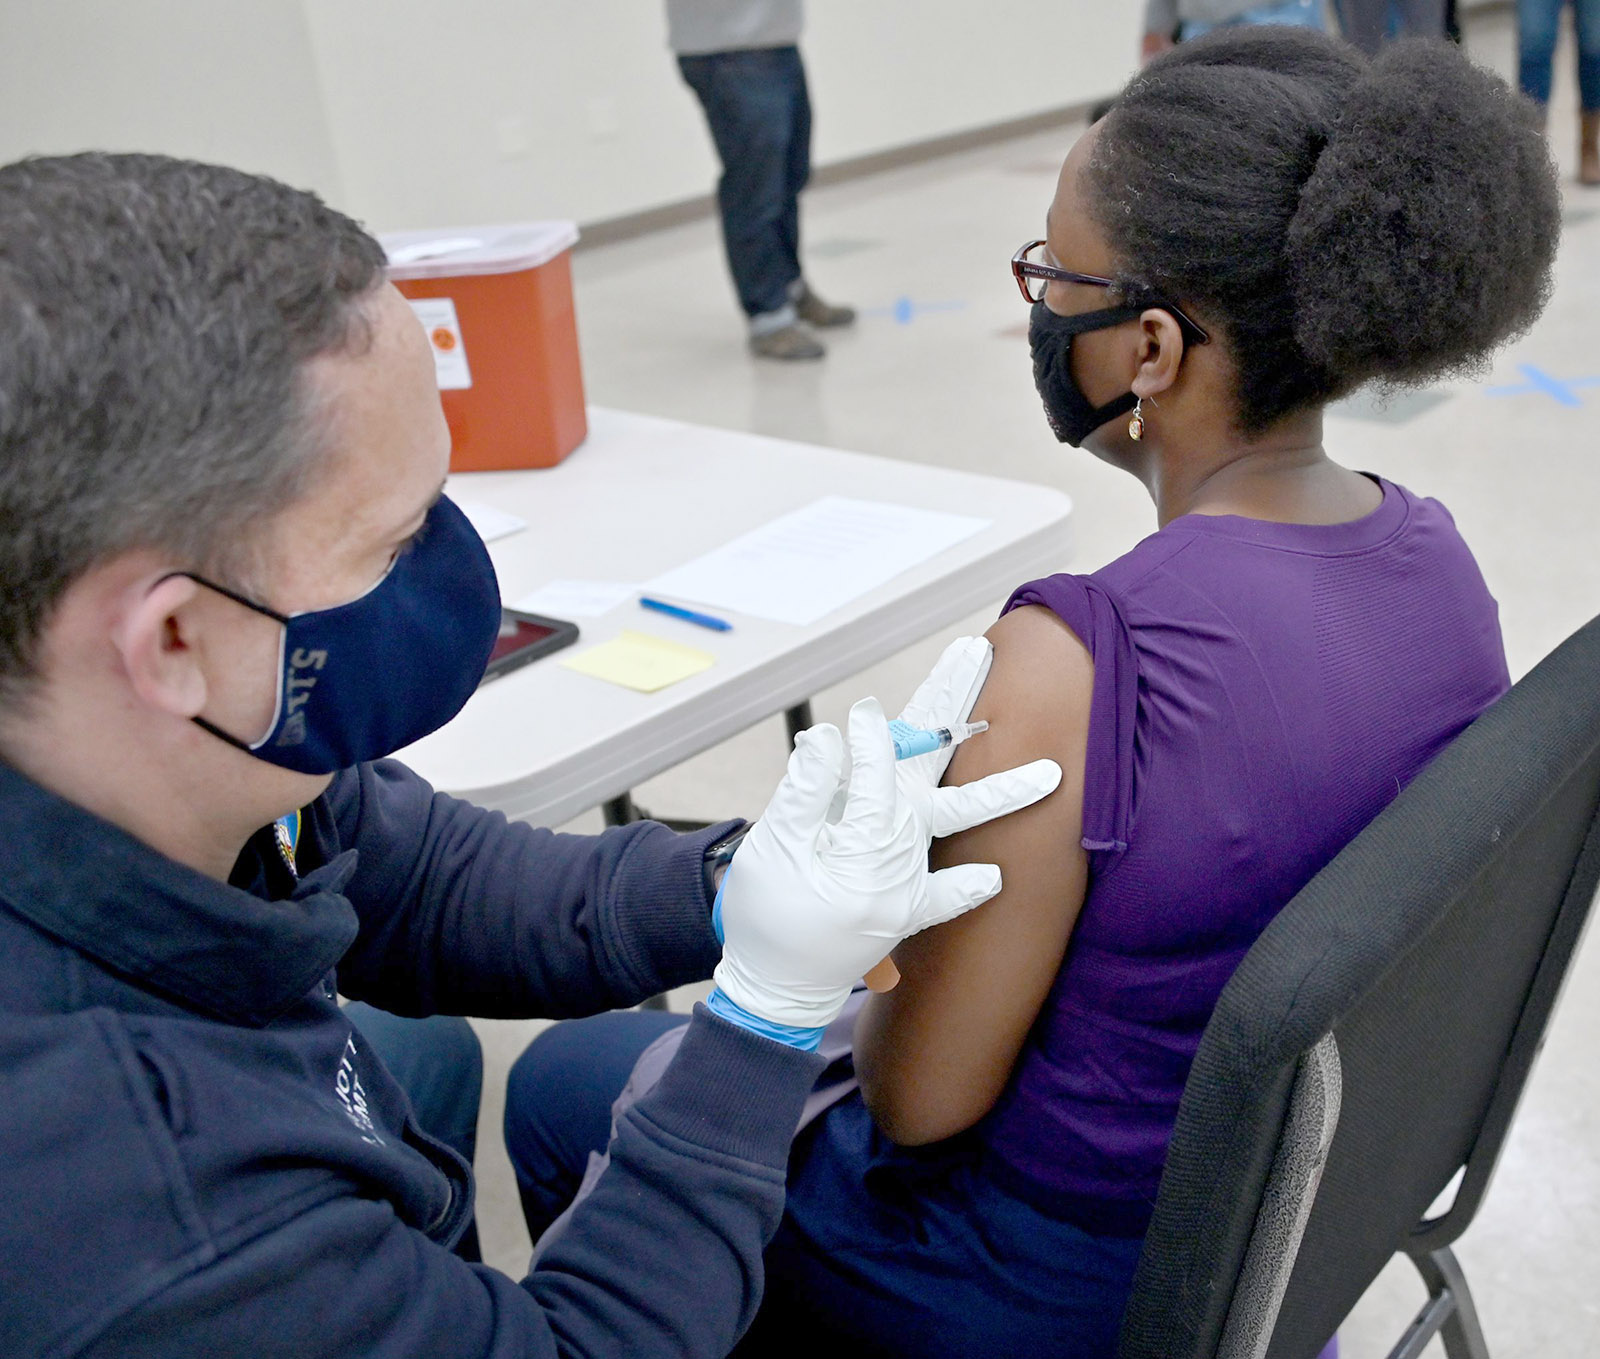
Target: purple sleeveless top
1261,692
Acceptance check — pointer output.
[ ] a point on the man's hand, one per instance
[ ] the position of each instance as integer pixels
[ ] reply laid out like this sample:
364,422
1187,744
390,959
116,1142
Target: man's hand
807,906
945,697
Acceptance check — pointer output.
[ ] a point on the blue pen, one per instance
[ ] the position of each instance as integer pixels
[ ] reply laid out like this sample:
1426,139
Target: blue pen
704,620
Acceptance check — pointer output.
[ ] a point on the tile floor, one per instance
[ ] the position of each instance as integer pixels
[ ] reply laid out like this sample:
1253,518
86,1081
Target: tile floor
937,372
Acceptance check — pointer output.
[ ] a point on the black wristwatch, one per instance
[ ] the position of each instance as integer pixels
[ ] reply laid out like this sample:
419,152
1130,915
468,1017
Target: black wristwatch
719,855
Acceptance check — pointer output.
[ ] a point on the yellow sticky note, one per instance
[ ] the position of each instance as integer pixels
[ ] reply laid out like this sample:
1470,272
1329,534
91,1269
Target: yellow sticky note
636,660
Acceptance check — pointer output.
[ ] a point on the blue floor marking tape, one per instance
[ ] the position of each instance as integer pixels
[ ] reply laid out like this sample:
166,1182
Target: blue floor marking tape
905,311
1558,389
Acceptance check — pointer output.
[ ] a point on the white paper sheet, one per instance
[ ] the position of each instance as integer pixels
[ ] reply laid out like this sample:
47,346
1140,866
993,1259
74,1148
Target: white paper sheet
805,564
576,598
490,522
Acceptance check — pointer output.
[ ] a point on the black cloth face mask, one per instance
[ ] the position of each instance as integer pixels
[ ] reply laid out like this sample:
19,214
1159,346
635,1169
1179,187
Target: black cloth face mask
1069,411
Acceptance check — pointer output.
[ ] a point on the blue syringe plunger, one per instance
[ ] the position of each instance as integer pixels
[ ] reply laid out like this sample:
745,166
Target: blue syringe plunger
911,741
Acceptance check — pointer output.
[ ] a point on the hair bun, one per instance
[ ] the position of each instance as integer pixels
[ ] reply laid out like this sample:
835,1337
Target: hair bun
1424,235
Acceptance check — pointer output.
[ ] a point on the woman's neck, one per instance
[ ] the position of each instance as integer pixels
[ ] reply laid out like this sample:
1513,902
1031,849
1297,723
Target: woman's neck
1283,476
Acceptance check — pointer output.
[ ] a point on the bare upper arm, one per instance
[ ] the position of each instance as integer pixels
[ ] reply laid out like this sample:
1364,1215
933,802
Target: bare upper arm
934,1053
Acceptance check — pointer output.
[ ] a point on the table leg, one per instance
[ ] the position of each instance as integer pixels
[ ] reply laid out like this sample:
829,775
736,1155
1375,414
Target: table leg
622,810
798,718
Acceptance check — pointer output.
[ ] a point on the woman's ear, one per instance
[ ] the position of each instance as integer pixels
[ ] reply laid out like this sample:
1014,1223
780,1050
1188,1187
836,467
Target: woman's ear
1160,353
155,634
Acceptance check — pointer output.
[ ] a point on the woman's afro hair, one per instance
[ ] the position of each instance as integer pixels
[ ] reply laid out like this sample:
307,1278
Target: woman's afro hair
1341,220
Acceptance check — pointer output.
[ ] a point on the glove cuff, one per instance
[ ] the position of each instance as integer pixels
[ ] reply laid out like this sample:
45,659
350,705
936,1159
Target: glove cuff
805,1039
794,1005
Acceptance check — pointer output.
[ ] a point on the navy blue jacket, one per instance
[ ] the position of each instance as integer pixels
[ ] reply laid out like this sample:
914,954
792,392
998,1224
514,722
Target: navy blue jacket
198,1156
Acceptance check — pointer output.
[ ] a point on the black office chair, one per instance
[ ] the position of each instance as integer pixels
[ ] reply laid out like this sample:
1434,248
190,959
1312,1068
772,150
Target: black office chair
1372,1046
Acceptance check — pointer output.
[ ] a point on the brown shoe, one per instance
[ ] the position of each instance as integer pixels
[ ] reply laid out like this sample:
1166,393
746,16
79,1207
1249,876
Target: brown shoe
789,342
815,312
1588,147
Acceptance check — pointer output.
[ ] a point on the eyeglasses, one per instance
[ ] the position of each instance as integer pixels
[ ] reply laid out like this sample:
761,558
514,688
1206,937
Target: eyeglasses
1033,276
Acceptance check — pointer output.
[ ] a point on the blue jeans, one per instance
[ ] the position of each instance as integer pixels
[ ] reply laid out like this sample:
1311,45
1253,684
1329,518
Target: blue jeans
1537,26
1371,23
558,1102
439,1064
1294,13
885,1251
760,118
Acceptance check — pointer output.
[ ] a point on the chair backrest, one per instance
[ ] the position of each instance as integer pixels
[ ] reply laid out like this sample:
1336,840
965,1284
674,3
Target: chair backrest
1286,1202
1433,949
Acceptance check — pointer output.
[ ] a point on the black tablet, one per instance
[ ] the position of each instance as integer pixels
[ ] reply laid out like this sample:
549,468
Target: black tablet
525,637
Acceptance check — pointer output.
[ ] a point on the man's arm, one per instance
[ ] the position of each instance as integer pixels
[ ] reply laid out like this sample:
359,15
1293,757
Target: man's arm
664,1258
463,912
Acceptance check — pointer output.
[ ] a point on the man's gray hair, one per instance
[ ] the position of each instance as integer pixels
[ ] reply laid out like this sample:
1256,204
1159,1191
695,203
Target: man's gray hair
156,318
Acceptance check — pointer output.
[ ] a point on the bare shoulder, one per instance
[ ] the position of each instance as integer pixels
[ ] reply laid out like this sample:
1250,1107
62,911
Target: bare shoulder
1036,702
1036,699
1034,642
934,1054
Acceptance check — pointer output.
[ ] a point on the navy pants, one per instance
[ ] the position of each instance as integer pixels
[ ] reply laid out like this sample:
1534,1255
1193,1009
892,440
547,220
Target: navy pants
887,1251
439,1064
1537,26
760,118
558,1102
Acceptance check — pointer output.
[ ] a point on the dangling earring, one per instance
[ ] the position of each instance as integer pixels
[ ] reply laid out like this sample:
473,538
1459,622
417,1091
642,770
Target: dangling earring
1136,425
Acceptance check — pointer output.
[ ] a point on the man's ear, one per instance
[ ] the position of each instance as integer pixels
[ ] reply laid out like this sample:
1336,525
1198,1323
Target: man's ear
1160,353
155,636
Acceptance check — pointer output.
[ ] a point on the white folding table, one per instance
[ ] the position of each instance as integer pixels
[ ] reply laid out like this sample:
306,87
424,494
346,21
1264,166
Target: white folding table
642,494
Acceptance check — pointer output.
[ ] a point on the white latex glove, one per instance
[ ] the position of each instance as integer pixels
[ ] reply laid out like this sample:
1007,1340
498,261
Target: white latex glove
808,907
946,696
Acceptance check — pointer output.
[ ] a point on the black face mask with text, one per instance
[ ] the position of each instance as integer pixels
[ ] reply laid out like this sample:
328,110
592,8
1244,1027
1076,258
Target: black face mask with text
1069,411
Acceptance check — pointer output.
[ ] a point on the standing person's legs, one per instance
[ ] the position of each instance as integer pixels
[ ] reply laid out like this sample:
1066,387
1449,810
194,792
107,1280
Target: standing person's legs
748,101
559,1098
813,310
438,1062
1421,18
1365,23
797,159
1537,25
1587,14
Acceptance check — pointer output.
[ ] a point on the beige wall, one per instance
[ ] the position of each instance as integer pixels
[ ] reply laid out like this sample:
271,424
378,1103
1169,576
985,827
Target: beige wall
229,80
437,112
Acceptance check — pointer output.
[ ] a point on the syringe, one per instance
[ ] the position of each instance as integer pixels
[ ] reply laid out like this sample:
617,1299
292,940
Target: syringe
910,741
